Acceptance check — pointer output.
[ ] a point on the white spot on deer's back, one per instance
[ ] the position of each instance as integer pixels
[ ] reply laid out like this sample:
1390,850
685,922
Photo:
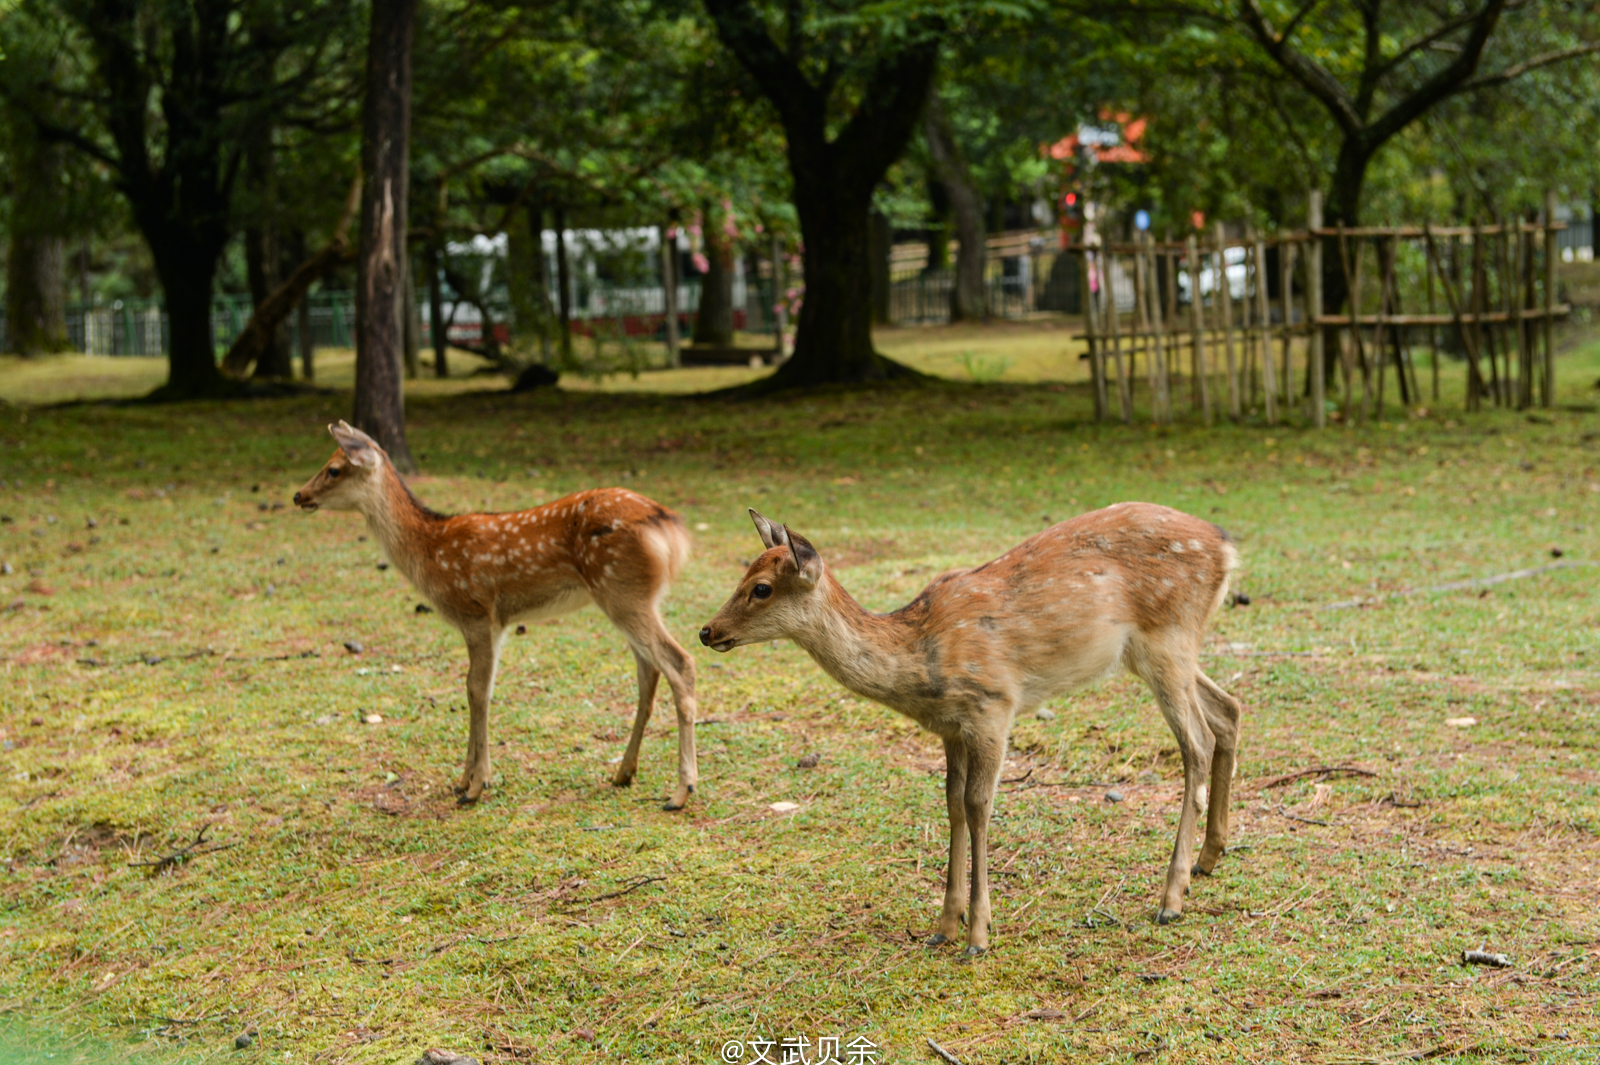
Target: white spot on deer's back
1175,547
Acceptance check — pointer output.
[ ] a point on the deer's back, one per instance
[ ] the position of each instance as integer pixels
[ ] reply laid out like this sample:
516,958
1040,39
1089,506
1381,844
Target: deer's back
1058,610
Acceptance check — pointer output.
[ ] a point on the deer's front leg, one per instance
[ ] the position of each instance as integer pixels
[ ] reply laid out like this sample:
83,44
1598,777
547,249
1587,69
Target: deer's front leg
483,653
985,753
955,800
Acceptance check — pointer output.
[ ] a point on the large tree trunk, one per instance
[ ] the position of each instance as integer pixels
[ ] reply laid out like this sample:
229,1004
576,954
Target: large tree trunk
527,278
35,277
1344,208
263,254
187,269
833,183
968,296
380,268
713,325
437,329
833,334
271,314
882,240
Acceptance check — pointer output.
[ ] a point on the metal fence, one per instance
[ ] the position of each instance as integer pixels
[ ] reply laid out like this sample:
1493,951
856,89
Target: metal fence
139,327
926,297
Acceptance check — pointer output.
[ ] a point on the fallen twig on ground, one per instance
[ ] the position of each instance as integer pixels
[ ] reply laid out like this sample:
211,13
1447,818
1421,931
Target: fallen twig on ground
635,886
943,1053
183,854
1460,586
1316,771
1303,820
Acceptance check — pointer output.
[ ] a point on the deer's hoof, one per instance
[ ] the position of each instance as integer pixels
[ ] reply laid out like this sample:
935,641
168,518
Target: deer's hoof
680,798
1166,916
619,779
938,939
974,951
1199,870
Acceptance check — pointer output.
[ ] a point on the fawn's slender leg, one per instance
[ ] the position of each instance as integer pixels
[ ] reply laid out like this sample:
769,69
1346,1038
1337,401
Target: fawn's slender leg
955,874
648,676
483,654
1173,683
1222,713
985,754
654,645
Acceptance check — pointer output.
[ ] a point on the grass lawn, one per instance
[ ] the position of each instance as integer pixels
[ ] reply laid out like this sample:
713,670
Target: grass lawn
173,654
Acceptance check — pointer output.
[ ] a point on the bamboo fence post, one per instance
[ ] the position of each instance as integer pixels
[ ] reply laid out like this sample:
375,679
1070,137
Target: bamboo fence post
1510,296
1433,330
1467,340
1318,357
1225,301
1141,320
1090,327
1269,385
1346,356
1286,253
1480,305
1200,371
1124,393
1524,296
1247,330
1171,361
1381,247
1547,390
1159,381
1160,374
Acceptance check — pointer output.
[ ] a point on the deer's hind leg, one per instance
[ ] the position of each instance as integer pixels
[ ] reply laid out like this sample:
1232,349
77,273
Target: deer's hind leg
1168,666
653,646
1222,713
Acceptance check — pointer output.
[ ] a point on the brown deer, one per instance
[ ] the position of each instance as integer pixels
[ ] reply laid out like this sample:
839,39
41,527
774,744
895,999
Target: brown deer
1131,585
485,572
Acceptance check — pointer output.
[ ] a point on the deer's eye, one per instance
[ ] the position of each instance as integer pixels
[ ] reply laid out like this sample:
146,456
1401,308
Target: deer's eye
334,471
761,591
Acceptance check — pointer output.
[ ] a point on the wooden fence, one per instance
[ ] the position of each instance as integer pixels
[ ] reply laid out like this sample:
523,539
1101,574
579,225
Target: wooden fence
1255,341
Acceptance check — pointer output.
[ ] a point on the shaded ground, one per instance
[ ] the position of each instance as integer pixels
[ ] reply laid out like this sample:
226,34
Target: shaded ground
172,652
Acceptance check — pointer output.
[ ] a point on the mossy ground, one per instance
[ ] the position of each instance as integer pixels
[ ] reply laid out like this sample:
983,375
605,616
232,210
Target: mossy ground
180,663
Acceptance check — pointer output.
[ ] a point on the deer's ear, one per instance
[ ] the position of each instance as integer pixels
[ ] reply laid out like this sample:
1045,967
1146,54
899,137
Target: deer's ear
772,534
357,446
807,563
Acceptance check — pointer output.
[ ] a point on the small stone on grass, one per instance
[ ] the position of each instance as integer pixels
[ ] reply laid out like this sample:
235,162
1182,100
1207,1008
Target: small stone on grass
1113,795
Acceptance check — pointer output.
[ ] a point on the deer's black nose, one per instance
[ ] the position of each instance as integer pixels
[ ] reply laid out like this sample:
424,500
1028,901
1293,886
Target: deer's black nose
705,636
297,499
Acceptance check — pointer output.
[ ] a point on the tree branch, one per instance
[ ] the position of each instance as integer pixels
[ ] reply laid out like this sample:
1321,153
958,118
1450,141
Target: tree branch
1316,78
1446,82
799,105
1514,72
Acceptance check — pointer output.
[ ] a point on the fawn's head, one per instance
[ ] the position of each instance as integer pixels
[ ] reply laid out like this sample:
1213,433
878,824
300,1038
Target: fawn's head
771,600
350,478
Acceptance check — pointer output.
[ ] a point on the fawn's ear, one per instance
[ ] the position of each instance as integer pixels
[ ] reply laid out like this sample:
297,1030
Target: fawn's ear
807,563
772,534
357,446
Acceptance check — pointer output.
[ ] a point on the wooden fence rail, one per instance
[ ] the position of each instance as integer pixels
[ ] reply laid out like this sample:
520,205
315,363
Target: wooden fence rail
1498,283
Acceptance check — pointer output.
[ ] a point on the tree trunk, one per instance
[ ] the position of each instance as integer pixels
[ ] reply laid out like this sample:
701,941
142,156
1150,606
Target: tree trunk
833,333
437,329
526,278
35,276
882,235
187,270
263,256
669,291
564,279
271,314
380,269
713,325
968,297
410,326
833,182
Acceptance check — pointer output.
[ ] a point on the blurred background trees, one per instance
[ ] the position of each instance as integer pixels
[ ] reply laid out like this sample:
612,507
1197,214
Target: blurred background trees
575,165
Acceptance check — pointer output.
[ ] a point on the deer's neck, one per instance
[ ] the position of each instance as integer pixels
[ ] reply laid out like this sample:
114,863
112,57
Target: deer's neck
874,655
400,523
